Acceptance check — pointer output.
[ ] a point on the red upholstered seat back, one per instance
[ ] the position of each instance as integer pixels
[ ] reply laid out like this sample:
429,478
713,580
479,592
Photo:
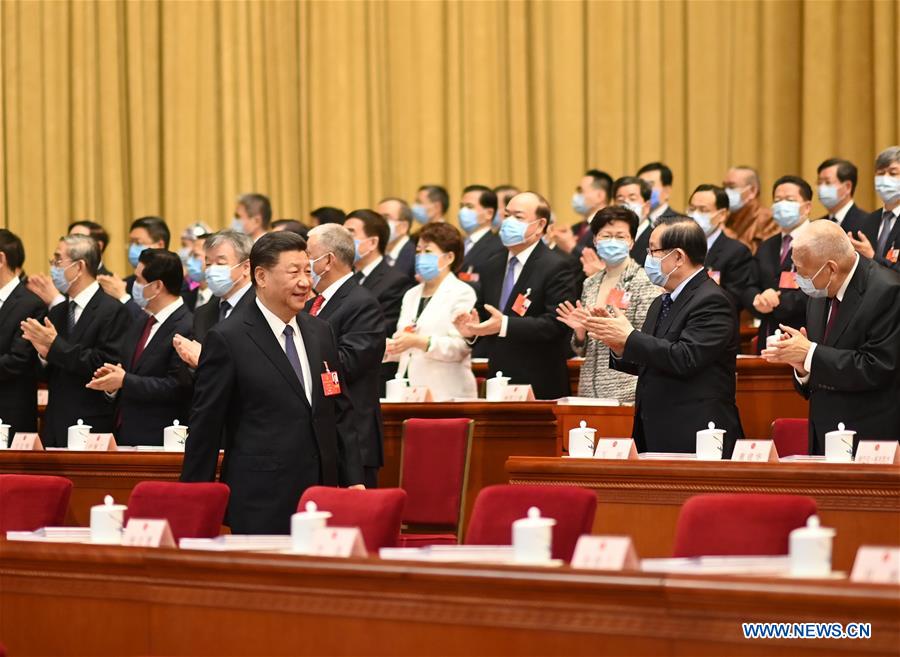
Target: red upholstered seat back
739,524
194,510
434,469
29,502
376,512
497,507
791,435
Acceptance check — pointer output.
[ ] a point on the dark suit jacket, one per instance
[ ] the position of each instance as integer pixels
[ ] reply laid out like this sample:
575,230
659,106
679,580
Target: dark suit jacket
854,220
358,326
207,315
157,389
137,313
767,270
734,262
855,372
388,284
536,345
97,338
406,259
18,361
639,250
686,370
871,227
103,271
481,252
276,443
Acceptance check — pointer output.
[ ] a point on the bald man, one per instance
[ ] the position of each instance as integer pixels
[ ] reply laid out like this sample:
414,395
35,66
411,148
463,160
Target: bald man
847,361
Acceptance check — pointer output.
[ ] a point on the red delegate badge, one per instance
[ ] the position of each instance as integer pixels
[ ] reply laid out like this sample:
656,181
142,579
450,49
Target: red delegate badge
520,307
892,255
788,281
618,298
330,382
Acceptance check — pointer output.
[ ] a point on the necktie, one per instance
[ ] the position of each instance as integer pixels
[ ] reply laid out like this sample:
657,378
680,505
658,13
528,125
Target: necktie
664,310
290,350
360,277
785,247
467,245
389,259
832,316
142,342
885,232
71,318
224,308
508,282
317,305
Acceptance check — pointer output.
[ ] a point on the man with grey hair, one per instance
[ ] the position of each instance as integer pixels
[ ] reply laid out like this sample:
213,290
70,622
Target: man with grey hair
847,358
227,273
749,222
879,238
79,335
358,324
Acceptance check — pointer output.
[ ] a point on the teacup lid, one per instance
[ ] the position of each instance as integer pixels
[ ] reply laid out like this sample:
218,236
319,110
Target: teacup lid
813,529
80,423
841,429
534,519
711,428
311,511
109,503
177,425
584,427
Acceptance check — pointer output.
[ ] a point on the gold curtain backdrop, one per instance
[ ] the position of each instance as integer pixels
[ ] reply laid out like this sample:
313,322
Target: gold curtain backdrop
112,110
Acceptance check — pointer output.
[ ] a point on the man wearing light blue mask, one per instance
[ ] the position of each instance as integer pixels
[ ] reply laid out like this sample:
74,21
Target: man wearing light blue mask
634,193
879,237
592,194
836,185
400,251
660,178
847,358
748,221
477,209
432,203
774,298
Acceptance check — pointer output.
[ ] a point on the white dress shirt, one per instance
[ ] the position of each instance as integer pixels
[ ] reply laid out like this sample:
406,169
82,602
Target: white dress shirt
82,298
476,235
162,316
234,299
394,252
368,269
658,212
277,327
203,296
643,225
7,290
842,213
330,291
522,258
674,293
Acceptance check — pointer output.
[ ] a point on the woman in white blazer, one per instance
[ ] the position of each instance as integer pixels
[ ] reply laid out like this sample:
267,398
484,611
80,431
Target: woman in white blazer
430,350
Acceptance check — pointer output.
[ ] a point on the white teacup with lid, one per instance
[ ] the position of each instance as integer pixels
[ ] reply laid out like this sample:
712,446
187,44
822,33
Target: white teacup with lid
775,337
107,522
810,549
174,437
495,386
839,445
394,388
304,524
77,435
710,443
581,441
532,538
4,435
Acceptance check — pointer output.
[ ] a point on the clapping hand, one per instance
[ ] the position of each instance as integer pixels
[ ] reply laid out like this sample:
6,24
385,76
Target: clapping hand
791,349
610,329
108,378
41,336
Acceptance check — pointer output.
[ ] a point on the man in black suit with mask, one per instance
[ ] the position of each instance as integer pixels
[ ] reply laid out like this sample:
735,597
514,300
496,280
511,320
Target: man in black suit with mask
260,382
477,208
358,325
847,361
879,235
684,355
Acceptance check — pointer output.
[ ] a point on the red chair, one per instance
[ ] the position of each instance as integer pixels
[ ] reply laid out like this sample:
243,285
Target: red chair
791,436
376,512
194,510
497,507
739,524
434,471
29,502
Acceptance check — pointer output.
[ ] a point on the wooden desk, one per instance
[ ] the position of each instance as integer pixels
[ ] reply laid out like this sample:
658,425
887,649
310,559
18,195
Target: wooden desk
642,498
77,600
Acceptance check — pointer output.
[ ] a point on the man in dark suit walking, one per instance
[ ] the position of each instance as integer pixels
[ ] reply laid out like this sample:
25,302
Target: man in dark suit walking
78,336
517,300
684,355
18,359
151,384
261,383
847,361
358,324
477,208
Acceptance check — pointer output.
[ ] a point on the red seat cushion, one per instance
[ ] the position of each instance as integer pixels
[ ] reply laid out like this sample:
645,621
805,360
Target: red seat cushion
791,435
194,510
497,507
376,512
739,524
424,540
29,502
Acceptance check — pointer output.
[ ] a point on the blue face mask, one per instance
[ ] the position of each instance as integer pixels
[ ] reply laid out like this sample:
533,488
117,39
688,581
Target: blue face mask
427,266
468,220
654,198
496,221
612,251
134,253
512,231
357,256
218,279
194,268
786,214
653,267
316,278
419,213
807,286
735,202
704,220
60,282
888,188
237,225
828,195
578,203
137,294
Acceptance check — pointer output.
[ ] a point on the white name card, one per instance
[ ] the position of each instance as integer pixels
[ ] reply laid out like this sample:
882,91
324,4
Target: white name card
876,565
616,449
518,393
43,397
416,395
148,533
757,451
29,442
605,553
338,542
100,442
876,451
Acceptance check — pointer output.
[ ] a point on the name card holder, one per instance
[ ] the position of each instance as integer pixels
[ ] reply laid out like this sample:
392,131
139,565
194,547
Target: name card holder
343,542
617,449
100,442
417,395
27,442
755,451
148,533
876,565
880,452
605,553
518,393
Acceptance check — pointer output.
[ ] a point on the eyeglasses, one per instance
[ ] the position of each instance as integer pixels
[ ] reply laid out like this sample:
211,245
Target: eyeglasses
56,262
652,251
